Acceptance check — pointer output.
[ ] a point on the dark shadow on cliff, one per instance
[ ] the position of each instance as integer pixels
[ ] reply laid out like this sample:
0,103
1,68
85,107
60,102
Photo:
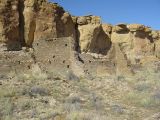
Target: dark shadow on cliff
77,46
103,43
21,21
143,35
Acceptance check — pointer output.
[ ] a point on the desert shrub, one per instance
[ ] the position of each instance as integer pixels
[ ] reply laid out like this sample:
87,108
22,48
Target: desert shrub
25,105
95,102
7,92
142,86
6,108
156,95
118,109
120,78
151,101
142,99
37,90
148,74
71,76
85,115
35,73
72,104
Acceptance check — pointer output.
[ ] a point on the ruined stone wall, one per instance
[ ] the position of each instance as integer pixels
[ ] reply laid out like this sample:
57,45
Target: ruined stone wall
53,54
14,63
97,66
61,42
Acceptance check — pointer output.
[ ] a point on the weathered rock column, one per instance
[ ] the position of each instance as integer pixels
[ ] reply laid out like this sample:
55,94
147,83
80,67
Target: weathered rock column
121,43
9,24
29,21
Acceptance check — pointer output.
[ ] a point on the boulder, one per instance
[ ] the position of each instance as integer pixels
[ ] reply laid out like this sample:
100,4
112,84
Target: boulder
95,19
136,27
107,28
154,34
147,29
82,20
89,19
119,28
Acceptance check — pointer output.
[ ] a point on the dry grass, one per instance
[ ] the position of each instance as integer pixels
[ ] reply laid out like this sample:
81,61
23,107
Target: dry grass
33,96
6,108
85,115
35,73
143,85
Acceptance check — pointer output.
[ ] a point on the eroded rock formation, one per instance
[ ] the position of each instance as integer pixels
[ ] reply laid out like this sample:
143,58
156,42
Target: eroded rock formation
23,21
52,38
92,37
9,24
135,41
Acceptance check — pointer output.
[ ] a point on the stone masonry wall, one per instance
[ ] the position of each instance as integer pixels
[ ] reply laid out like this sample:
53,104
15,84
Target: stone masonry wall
53,54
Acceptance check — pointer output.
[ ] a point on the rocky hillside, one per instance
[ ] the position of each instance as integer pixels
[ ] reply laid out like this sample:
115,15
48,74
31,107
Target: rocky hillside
81,44
41,41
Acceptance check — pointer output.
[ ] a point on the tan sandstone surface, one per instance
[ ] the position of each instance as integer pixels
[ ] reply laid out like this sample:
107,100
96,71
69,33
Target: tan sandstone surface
40,41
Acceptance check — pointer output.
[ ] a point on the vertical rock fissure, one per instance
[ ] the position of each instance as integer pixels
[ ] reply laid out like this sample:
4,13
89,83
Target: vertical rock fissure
21,21
77,37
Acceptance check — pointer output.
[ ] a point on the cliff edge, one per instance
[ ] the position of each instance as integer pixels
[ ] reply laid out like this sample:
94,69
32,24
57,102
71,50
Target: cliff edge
43,33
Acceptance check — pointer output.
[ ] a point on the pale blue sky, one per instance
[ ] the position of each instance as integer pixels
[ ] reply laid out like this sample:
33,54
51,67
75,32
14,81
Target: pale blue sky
117,11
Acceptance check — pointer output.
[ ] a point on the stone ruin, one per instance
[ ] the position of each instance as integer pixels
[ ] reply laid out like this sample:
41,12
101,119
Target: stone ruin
43,33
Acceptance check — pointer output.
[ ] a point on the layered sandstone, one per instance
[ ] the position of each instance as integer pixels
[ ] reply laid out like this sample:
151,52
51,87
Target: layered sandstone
9,24
92,37
56,40
136,41
23,21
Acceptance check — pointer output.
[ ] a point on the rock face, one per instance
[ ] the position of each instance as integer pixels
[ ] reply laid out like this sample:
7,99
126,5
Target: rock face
135,41
9,24
23,21
63,42
156,38
92,37
59,22
28,14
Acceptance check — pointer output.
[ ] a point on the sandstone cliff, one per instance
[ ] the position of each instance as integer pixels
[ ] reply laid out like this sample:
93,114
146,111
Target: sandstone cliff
55,66
64,42
23,21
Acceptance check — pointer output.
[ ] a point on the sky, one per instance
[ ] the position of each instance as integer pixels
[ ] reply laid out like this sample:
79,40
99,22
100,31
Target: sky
145,12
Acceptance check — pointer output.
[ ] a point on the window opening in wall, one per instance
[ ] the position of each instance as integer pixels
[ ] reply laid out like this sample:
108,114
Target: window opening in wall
49,62
19,62
29,67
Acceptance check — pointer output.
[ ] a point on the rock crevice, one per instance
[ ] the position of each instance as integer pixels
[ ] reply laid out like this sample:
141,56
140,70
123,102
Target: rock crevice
21,22
82,44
